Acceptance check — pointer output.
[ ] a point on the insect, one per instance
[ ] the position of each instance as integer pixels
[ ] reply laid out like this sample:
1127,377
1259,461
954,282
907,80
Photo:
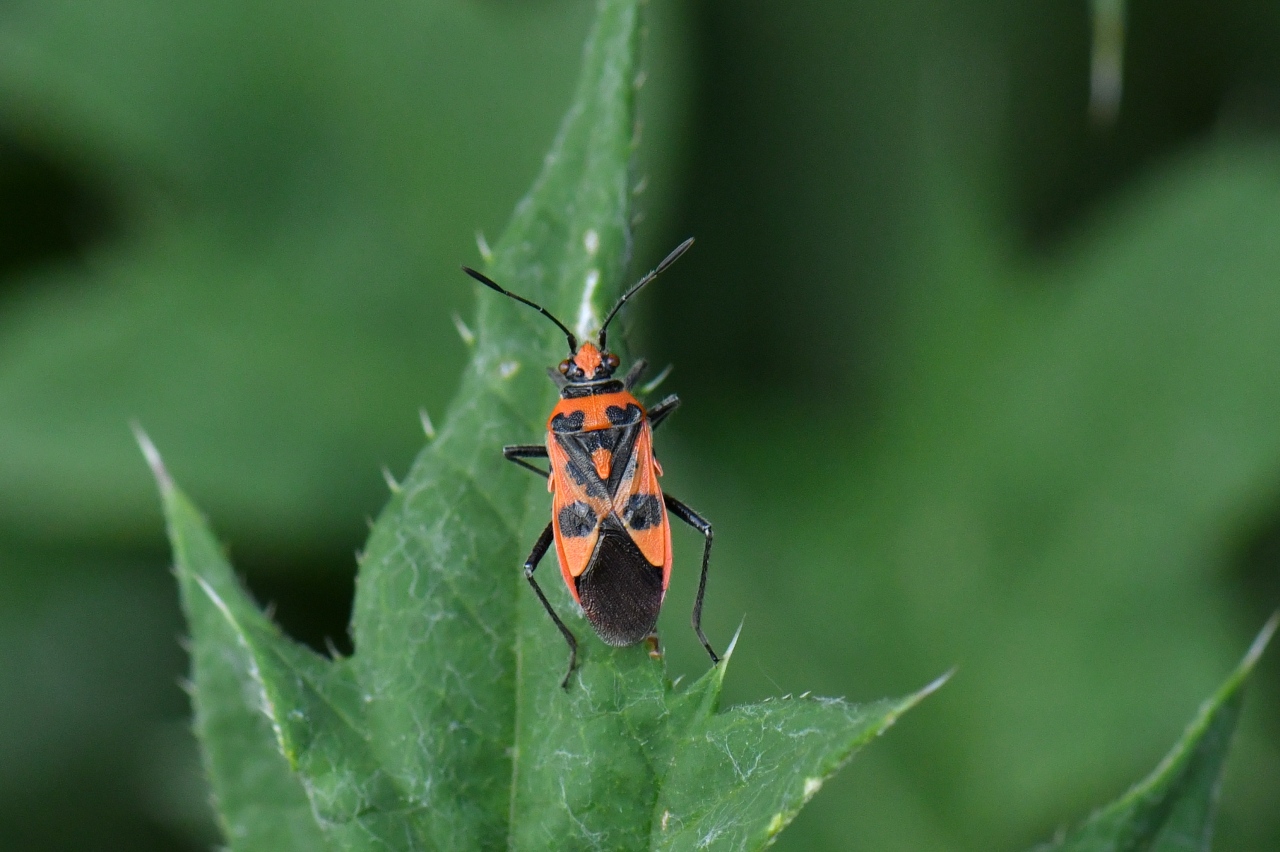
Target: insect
608,513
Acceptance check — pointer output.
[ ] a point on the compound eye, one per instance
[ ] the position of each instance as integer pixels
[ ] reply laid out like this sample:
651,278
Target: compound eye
564,366
612,361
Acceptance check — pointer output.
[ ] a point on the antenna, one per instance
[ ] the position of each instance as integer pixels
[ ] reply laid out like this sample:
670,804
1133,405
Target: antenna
639,285
489,282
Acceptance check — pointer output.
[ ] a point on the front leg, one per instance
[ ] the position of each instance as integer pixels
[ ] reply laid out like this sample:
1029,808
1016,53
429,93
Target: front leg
519,452
635,374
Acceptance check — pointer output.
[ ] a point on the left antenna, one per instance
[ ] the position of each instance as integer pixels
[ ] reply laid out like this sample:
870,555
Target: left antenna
493,285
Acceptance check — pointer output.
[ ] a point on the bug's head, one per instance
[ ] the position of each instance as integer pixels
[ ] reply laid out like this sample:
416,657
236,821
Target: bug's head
588,364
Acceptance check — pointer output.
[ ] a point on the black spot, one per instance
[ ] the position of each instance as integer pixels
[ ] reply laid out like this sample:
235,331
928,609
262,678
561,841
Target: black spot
642,512
598,439
577,520
568,423
581,446
583,474
623,416
587,480
621,592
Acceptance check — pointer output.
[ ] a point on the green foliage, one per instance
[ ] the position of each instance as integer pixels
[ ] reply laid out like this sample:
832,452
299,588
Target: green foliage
284,212
448,727
260,805
1044,502
969,377
1172,809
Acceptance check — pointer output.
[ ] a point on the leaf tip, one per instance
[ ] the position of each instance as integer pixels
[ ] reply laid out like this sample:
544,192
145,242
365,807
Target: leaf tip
721,667
934,685
468,336
656,381
733,643
163,480
427,426
911,701
482,245
1260,643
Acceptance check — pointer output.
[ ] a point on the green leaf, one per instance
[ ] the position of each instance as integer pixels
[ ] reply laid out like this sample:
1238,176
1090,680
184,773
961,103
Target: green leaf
1052,509
270,295
260,804
1172,809
741,776
448,728
282,728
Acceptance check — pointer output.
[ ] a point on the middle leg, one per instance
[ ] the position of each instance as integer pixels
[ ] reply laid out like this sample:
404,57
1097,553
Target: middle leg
519,452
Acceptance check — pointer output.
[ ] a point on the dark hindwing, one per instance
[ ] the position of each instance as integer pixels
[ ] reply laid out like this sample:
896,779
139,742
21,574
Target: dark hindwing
620,592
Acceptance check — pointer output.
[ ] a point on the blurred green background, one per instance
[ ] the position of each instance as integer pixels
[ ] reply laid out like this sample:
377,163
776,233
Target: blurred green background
975,372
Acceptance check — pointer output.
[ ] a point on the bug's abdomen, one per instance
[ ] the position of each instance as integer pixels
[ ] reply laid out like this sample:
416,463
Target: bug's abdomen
621,591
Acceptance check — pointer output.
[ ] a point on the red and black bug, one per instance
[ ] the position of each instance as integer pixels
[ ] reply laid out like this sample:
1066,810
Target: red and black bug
608,513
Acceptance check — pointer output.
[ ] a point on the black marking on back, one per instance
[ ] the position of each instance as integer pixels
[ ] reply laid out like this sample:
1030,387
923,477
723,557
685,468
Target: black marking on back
619,416
622,454
621,592
598,439
620,441
642,512
577,520
568,422
580,468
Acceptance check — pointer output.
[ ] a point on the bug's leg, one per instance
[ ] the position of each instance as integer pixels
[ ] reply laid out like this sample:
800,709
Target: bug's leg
531,565
703,526
558,380
662,411
519,452
634,374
